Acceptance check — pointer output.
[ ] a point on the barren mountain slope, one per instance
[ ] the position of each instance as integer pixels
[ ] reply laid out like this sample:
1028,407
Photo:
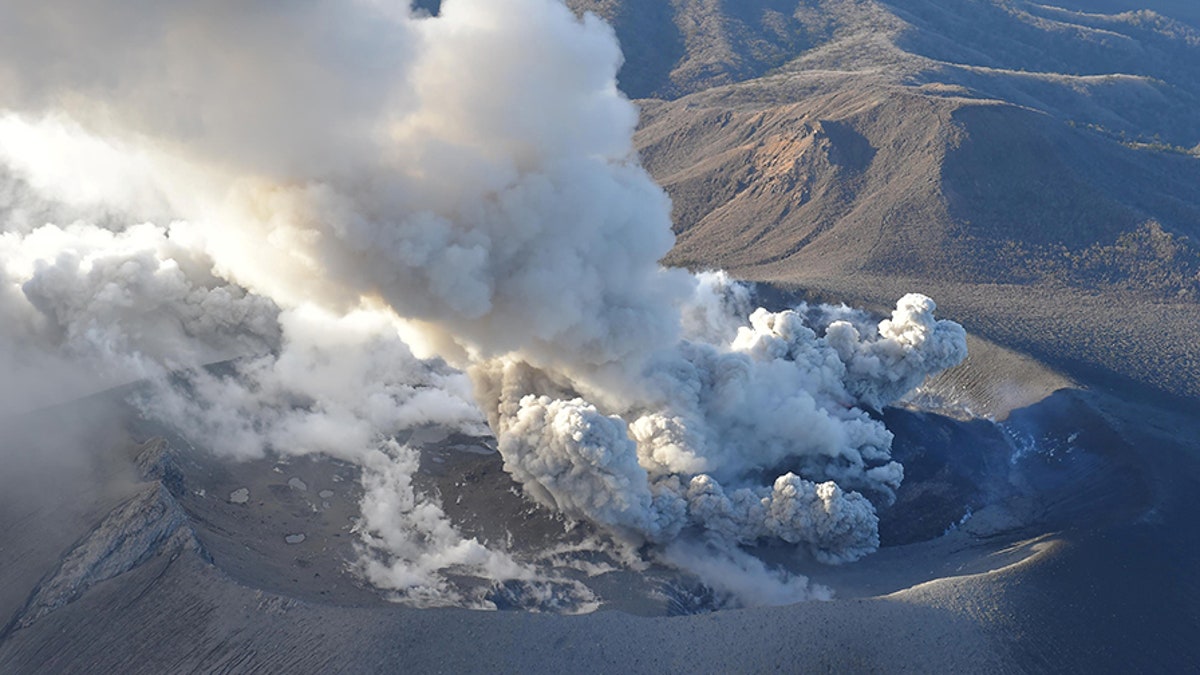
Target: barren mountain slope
1013,158
1183,10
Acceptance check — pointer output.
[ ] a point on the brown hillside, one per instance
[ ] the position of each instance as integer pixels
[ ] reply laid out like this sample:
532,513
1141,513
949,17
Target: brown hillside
1030,167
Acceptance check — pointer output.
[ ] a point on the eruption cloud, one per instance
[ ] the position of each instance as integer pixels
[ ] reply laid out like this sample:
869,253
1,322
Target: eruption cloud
313,185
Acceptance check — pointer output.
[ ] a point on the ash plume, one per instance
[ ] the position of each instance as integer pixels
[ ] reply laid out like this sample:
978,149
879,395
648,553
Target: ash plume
341,178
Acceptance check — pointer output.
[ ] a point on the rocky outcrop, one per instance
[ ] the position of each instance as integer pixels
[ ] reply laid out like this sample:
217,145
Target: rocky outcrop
150,524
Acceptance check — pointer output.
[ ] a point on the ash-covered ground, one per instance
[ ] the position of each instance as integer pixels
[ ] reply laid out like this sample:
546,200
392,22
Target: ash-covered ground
196,561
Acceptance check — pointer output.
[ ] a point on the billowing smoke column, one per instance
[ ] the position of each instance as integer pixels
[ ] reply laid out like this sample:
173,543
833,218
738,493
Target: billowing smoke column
335,174
686,446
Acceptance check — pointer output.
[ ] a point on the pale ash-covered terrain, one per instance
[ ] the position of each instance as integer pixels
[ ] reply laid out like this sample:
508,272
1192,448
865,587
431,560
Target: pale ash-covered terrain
1062,538
1032,168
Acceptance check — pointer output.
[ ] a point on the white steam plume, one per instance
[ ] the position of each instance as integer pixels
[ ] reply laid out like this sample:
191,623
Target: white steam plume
346,387
350,164
87,307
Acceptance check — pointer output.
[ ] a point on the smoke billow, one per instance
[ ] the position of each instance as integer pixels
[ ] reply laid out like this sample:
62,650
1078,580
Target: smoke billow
685,447
336,179
116,305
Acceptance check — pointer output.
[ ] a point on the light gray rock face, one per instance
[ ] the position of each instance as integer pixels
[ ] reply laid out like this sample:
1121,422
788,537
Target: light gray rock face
151,524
